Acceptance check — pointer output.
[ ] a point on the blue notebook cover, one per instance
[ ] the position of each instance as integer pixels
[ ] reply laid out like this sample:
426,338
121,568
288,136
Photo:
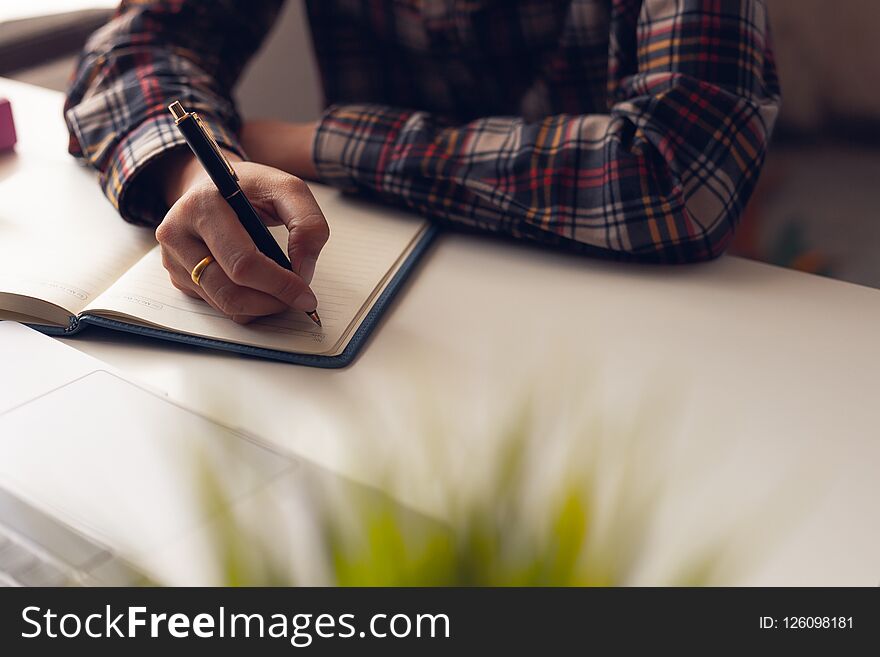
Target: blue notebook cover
362,333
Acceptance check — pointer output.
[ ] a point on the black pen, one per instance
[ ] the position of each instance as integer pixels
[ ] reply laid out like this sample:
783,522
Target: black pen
208,152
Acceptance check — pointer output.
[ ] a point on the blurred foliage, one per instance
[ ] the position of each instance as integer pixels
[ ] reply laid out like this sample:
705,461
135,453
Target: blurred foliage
504,532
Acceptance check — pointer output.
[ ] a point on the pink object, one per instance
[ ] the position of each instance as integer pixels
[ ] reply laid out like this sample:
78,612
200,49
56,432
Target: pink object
7,126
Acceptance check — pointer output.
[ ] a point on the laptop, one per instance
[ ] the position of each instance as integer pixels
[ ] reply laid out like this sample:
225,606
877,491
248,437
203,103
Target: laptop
102,480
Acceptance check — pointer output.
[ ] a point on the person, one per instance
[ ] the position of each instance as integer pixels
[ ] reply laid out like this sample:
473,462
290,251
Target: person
630,128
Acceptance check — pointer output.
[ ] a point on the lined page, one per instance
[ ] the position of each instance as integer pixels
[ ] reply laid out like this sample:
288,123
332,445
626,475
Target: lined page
366,246
60,240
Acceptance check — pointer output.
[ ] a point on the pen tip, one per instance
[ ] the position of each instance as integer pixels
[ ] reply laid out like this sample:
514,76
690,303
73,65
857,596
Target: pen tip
314,317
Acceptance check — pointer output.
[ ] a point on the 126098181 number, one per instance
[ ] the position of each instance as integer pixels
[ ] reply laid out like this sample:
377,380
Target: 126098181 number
818,622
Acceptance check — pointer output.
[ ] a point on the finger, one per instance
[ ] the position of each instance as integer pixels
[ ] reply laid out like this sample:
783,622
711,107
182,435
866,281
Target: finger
187,290
174,229
180,278
234,301
292,202
308,227
196,292
215,287
245,266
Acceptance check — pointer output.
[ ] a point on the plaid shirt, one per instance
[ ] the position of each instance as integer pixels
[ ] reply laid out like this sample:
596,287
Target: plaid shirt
631,127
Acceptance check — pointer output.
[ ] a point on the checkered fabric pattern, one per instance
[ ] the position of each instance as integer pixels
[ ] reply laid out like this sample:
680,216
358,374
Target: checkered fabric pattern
634,128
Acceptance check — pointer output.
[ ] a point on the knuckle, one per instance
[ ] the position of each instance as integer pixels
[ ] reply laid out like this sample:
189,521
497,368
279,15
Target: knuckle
317,226
289,288
296,185
313,227
188,205
198,208
242,267
167,262
166,230
201,219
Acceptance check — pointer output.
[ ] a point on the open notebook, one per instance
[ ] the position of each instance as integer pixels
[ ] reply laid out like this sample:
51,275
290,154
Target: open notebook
68,261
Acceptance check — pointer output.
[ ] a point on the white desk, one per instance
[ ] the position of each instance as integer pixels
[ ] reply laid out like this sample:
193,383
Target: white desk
768,378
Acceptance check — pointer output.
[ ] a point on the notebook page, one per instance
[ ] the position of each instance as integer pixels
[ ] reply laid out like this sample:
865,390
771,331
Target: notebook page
365,247
60,240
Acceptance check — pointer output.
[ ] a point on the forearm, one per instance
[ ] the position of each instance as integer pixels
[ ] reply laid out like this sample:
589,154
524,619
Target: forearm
598,181
663,174
283,145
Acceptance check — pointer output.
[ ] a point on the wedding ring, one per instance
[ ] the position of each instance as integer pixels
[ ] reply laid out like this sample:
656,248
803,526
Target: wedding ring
197,271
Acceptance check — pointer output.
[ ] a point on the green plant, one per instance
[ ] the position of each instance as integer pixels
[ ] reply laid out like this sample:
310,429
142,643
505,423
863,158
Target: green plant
585,521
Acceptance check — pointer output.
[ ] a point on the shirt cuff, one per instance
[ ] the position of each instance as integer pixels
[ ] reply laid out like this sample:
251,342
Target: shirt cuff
354,145
122,181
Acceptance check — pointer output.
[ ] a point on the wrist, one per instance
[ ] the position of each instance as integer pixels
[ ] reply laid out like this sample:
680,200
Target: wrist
305,138
282,145
181,171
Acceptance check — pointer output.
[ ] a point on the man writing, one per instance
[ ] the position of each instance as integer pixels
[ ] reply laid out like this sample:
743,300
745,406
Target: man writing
625,127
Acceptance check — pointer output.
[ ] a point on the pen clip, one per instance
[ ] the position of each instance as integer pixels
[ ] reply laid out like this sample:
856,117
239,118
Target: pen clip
204,127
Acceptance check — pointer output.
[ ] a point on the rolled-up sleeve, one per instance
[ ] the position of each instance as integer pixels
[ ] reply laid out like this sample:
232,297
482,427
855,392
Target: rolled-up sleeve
663,175
149,54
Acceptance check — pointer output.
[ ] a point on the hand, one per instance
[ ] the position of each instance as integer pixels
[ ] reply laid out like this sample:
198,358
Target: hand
285,146
243,283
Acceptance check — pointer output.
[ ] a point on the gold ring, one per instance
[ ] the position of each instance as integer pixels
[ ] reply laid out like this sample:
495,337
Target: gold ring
197,271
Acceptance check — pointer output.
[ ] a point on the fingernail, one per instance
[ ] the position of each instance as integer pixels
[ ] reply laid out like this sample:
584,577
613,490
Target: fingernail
307,269
306,302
